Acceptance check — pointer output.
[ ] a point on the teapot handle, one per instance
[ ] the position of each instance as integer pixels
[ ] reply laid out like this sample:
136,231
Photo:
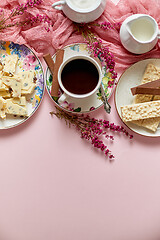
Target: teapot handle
55,5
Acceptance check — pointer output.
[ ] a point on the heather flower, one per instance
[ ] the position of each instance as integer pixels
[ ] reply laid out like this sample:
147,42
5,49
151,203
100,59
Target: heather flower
92,108
107,25
93,130
29,20
95,45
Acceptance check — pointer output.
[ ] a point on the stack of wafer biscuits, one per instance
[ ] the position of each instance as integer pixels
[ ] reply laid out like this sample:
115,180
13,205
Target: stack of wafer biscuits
147,118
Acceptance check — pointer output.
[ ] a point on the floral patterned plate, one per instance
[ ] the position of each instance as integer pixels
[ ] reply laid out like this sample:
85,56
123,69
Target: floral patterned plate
27,60
81,105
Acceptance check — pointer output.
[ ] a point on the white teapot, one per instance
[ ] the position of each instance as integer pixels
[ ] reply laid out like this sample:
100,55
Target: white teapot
81,10
139,33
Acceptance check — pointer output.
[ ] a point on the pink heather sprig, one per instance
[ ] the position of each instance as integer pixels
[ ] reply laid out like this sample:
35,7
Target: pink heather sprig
92,129
95,45
99,51
107,25
19,10
29,20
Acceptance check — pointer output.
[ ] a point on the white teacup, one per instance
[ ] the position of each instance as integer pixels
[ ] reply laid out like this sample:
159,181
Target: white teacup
81,10
79,77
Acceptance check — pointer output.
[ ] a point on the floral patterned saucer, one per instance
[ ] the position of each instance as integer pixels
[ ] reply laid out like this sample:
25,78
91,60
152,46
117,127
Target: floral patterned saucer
81,105
27,60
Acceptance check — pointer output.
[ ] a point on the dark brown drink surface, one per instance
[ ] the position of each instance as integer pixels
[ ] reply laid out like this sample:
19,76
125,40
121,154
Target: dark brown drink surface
80,76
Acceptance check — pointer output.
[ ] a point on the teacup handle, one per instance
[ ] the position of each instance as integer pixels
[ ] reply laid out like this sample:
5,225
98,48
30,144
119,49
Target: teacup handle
55,5
62,98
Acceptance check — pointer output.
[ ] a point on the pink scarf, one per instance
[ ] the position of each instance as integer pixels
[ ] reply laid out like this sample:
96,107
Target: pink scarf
63,33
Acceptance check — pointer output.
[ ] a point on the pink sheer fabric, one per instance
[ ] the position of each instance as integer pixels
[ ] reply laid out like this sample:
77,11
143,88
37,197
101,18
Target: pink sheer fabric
63,32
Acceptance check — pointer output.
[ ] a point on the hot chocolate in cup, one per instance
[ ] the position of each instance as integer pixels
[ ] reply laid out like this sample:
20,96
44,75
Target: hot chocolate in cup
81,10
79,77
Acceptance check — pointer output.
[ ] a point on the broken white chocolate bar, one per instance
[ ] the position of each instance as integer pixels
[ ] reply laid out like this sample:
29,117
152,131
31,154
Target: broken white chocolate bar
1,66
28,78
5,94
140,111
14,83
2,108
20,101
30,90
15,109
3,87
10,63
15,87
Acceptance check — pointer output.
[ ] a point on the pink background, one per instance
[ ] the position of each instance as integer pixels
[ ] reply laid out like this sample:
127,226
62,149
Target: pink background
54,185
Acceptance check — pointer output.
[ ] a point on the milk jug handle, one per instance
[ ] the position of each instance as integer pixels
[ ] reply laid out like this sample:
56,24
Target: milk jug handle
55,5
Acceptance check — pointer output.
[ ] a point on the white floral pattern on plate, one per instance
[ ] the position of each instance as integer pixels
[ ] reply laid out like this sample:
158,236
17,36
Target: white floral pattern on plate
81,105
123,96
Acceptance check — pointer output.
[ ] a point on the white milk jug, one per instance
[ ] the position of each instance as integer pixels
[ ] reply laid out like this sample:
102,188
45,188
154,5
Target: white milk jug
139,33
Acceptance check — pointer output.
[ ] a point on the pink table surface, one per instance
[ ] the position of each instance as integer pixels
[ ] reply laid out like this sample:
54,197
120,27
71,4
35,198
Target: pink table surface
54,185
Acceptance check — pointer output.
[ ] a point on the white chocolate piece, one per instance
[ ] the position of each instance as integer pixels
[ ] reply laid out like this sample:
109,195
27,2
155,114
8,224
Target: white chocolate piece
3,87
5,94
1,66
30,90
14,87
140,111
27,79
14,83
10,63
2,108
1,73
20,101
15,109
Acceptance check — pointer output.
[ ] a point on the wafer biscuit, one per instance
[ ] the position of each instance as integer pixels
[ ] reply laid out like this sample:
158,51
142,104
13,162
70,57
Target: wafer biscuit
140,111
151,73
157,97
151,123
